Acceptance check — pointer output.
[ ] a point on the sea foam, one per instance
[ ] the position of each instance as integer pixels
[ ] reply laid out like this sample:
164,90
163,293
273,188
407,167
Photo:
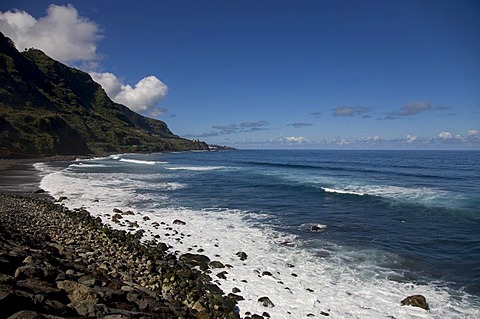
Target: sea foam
134,161
299,282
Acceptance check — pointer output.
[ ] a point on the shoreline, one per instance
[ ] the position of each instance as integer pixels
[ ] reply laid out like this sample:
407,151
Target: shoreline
124,220
19,176
142,278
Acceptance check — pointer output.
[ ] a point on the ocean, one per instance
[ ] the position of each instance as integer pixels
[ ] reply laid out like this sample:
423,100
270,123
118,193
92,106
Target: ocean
347,234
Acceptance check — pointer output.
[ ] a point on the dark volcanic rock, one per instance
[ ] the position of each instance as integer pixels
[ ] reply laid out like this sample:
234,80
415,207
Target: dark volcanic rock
195,260
415,301
242,255
179,222
266,302
216,264
60,263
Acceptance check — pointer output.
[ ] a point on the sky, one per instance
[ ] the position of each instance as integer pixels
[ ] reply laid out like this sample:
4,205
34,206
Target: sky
276,73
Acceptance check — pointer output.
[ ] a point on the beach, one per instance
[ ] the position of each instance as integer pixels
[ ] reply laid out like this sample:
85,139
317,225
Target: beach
63,263
18,177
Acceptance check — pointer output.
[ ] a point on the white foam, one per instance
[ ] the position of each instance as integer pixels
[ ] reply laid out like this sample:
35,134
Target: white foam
423,195
341,191
85,165
43,168
331,284
195,168
134,161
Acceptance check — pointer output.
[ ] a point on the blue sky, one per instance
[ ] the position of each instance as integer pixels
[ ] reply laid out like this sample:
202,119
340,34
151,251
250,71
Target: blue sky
276,74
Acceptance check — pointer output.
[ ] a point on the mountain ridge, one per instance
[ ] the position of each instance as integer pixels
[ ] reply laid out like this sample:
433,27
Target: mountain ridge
48,109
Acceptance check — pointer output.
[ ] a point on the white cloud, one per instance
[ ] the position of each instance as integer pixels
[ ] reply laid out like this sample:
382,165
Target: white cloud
473,132
343,142
293,139
411,138
145,95
62,33
369,139
445,135
68,37
109,81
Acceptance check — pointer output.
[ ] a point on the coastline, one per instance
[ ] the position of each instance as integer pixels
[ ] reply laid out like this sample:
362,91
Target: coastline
19,176
257,270
61,262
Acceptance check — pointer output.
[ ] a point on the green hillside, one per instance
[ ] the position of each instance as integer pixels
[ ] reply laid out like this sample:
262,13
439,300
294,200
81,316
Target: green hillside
48,108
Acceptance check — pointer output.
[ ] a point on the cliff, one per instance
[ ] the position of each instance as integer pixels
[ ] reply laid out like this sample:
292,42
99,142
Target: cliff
48,108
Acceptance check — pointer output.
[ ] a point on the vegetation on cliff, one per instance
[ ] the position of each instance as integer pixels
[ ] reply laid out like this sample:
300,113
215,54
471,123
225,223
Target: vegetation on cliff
48,108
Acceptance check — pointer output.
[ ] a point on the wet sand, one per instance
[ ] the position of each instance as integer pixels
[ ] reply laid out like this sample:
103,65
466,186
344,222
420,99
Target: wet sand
20,178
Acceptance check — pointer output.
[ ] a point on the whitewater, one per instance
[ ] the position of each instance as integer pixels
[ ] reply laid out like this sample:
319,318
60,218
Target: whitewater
343,234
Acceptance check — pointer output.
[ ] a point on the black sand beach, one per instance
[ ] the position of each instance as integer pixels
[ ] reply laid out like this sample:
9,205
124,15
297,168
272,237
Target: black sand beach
18,177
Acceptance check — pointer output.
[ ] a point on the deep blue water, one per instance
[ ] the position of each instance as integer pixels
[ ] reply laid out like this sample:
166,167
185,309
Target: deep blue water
416,213
422,206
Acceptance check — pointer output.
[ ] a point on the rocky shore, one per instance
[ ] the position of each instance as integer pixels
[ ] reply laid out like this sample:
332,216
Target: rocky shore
60,263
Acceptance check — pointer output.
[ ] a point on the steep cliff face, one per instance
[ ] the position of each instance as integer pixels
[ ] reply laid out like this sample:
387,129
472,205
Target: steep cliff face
48,108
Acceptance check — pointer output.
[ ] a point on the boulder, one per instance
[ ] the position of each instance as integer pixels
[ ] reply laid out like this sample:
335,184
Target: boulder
116,218
41,287
318,228
242,255
216,264
77,292
27,314
266,302
195,260
222,275
90,309
6,279
28,271
416,301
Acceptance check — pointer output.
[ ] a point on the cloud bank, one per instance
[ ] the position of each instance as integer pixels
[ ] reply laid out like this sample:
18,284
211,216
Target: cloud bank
293,140
444,140
72,39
